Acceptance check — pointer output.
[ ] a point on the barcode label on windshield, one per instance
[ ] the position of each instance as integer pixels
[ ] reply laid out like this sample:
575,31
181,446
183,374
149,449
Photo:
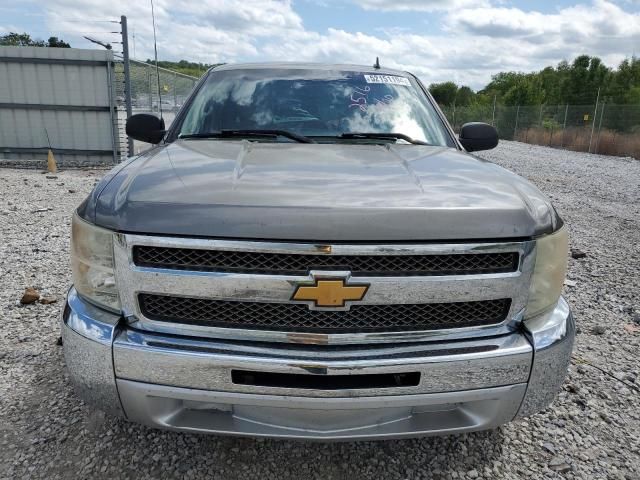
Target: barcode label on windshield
391,79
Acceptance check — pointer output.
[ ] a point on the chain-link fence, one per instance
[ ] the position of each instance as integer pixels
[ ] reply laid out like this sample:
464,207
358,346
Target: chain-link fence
602,128
146,97
605,129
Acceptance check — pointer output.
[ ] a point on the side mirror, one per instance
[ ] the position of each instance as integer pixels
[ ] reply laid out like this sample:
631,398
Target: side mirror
145,127
476,136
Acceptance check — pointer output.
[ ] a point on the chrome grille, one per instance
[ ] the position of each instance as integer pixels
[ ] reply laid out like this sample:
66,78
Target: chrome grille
242,289
300,264
298,318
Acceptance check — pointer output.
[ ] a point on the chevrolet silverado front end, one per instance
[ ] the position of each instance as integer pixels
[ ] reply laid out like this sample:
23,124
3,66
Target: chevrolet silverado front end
317,281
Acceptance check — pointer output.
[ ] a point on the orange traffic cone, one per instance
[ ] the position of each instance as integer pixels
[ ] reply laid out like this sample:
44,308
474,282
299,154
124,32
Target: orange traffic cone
51,163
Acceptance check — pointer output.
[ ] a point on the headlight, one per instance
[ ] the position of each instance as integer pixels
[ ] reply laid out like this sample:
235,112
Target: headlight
549,272
92,263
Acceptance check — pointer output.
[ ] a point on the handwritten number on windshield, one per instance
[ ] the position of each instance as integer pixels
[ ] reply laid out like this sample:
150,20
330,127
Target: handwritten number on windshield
359,98
386,100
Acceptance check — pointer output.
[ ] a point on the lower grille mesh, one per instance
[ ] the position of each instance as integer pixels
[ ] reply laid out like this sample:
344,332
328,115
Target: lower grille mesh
298,318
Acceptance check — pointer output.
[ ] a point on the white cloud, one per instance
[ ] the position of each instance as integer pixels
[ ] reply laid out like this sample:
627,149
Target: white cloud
199,30
597,20
5,29
255,17
474,42
419,5
602,28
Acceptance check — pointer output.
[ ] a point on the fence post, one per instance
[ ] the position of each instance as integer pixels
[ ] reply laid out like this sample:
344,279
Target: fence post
493,115
127,77
515,130
112,112
564,125
150,91
540,121
593,123
175,91
599,127
453,116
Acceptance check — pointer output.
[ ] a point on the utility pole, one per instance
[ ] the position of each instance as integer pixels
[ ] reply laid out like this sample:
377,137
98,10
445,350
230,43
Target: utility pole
593,122
127,77
516,127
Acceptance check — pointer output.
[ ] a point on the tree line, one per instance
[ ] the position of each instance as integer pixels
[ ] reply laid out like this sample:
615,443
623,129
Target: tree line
13,39
574,83
183,66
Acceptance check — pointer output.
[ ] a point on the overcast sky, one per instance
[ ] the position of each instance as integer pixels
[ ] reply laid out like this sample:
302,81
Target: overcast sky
462,40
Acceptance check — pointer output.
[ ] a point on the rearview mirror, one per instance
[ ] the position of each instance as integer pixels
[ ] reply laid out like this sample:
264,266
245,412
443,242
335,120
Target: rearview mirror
145,127
476,136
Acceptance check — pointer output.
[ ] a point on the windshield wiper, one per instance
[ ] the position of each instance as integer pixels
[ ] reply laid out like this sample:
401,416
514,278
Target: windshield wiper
382,135
250,133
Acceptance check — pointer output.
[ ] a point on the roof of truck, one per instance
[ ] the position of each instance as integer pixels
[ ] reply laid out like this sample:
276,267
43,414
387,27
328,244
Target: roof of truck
311,66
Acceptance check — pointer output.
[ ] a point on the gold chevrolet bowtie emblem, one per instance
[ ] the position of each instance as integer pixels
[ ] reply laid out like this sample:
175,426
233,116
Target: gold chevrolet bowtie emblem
330,293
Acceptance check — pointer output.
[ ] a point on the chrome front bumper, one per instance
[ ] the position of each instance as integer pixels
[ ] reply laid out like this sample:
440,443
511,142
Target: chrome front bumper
186,383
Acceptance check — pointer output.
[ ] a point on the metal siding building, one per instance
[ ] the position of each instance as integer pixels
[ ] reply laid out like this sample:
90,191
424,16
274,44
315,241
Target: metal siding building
63,92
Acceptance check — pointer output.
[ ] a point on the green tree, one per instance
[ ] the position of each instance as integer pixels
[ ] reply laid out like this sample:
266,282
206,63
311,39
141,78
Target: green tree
526,90
448,94
585,76
13,39
624,87
464,96
444,93
183,66
59,43
550,80
500,84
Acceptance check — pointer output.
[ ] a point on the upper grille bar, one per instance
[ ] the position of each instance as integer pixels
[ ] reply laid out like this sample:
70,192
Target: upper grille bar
205,260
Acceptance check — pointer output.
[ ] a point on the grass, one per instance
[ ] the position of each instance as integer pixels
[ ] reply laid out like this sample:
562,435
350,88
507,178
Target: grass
605,142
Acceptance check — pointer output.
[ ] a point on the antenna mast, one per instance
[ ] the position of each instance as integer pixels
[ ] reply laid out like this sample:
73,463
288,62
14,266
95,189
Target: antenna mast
155,50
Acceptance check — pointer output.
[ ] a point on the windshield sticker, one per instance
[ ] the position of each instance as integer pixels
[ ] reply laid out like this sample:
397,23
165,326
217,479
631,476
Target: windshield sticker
390,79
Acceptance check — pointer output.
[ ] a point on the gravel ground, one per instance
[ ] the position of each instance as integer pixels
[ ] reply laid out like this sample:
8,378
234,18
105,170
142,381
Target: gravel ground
591,431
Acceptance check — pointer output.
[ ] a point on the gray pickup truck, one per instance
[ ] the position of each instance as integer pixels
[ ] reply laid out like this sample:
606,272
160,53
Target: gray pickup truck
310,252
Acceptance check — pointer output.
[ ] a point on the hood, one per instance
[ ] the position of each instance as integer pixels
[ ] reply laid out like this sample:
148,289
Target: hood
318,192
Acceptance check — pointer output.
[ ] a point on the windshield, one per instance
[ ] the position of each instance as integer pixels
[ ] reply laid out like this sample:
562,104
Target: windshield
320,104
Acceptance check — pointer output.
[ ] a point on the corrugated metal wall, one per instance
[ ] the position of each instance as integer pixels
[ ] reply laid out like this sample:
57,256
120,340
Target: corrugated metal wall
65,92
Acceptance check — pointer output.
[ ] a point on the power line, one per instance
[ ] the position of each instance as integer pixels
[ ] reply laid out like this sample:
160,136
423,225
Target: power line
78,32
92,21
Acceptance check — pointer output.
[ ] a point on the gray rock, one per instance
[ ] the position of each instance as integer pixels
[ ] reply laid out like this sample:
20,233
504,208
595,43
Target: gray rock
30,295
577,253
595,196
